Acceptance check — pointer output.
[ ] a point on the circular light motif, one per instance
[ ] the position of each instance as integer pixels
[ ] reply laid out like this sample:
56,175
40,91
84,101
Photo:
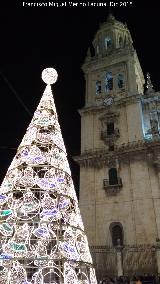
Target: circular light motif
49,76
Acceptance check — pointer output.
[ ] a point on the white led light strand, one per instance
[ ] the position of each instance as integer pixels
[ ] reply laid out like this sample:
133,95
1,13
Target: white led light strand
42,239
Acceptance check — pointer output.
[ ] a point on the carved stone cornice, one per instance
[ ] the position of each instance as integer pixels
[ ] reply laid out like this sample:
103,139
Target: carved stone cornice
97,62
102,249
91,159
150,97
130,99
132,247
91,109
109,115
101,157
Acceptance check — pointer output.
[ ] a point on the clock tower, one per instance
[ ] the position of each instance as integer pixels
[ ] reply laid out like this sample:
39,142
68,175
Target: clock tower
119,170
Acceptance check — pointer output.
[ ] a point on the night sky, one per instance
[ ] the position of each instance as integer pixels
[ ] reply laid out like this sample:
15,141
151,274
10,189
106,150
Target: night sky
33,38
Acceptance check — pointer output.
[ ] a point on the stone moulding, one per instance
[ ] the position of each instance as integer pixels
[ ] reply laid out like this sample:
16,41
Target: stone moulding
101,157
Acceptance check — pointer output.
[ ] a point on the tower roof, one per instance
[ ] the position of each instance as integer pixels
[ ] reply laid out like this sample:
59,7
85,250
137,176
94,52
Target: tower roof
111,35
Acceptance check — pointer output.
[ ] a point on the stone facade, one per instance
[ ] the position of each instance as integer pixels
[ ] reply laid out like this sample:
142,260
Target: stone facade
119,134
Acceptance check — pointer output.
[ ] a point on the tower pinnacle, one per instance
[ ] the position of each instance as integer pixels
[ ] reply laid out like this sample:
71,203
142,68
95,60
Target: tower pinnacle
149,85
110,17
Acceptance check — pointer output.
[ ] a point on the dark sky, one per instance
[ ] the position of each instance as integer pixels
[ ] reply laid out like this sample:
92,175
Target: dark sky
33,38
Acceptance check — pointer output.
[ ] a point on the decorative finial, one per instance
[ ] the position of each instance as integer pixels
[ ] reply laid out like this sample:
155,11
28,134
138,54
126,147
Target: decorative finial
149,84
49,76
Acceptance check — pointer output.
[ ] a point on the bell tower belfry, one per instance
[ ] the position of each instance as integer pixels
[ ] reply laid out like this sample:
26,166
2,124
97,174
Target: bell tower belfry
119,181
114,53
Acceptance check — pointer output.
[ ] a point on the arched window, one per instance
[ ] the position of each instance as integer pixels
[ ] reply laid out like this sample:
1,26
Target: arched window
108,81
116,230
120,41
113,178
98,87
120,81
126,40
108,42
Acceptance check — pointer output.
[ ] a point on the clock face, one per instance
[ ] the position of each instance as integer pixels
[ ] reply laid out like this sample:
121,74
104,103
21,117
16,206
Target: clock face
108,101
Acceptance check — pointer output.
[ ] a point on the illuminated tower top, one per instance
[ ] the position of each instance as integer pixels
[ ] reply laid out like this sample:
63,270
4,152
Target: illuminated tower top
112,70
111,36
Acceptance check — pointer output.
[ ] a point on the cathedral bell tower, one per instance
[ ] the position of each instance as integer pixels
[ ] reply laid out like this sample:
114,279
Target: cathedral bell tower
119,185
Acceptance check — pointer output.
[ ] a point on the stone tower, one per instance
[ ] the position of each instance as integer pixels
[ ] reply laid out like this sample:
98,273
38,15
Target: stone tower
120,146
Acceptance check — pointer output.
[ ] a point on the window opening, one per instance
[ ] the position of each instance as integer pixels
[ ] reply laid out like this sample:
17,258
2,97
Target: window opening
108,81
113,178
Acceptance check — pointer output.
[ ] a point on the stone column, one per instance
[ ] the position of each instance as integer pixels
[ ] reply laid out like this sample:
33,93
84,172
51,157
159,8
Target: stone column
119,259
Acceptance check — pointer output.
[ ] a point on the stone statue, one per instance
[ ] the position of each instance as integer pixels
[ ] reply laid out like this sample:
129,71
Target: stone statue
154,126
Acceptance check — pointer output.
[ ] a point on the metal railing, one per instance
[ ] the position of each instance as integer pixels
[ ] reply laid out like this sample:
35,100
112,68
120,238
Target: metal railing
105,135
135,260
107,184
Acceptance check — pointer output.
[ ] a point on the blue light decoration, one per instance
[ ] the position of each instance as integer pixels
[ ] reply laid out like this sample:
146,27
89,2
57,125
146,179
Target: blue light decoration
50,212
34,155
71,251
41,232
38,159
45,184
5,256
60,180
25,152
63,203
3,198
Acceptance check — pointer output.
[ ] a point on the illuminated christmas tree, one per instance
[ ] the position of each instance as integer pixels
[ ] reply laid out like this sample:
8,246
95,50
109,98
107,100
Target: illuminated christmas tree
42,239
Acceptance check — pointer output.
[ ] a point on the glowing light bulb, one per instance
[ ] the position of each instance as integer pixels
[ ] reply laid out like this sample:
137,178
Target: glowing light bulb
49,76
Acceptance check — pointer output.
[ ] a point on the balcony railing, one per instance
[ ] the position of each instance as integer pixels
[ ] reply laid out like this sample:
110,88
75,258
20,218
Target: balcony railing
112,187
107,137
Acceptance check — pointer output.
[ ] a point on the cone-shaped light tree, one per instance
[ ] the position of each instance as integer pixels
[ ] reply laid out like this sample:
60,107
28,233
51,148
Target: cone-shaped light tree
42,239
